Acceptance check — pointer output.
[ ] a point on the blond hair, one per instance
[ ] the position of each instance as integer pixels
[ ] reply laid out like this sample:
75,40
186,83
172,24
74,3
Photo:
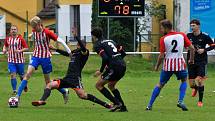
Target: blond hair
35,21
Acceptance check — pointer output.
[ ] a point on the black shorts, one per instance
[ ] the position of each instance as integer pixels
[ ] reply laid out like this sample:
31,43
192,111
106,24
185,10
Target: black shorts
197,70
114,73
69,83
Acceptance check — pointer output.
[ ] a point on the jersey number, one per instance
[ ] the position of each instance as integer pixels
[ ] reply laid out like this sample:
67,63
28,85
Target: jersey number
174,43
112,46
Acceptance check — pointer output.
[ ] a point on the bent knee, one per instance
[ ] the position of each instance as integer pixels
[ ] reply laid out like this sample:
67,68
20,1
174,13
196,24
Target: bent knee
159,85
27,76
82,96
99,86
111,87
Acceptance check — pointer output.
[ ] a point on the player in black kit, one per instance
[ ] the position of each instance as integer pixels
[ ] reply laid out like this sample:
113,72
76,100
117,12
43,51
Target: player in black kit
114,66
198,69
72,79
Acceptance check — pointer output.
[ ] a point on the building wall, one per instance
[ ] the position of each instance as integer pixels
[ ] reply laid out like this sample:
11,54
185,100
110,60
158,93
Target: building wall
182,15
67,18
74,2
155,21
19,9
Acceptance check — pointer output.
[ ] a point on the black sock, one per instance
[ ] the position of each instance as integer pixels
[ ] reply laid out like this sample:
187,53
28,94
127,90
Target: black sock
109,96
117,95
46,94
96,100
201,93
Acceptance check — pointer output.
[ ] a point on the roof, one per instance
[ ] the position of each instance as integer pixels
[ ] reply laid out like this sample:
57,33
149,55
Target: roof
48,11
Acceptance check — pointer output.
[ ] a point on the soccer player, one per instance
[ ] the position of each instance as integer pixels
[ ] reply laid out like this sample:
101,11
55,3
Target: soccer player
196,71
171,49
41,54
72,79
15,45
115,69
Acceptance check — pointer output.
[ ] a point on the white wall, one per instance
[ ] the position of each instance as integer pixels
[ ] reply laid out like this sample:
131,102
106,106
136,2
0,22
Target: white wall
2,26
182,15
64,27
85,20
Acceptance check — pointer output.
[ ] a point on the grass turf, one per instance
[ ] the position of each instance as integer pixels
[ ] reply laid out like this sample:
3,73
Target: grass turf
135,88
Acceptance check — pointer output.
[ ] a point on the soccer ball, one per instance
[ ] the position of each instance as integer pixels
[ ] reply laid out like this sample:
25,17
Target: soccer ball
13,102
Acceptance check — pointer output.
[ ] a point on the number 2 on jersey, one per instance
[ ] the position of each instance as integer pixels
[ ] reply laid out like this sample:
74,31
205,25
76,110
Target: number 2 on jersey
112,46
174,43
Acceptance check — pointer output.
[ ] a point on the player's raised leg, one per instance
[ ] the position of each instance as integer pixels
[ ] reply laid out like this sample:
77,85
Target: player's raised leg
47,69
47,91
193,86
192,70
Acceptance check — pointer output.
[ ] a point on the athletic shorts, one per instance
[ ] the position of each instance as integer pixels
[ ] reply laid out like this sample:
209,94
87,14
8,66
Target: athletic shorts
165,75
44,62
16,68
69,83
114,73
197,70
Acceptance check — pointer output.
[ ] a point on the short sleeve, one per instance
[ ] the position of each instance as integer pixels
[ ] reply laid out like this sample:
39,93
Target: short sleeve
162,45
187,42
5,42
51,34
24,44
209,40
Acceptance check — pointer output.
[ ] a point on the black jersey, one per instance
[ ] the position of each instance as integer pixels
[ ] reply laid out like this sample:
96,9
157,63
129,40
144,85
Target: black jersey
199,42
78,59
111,56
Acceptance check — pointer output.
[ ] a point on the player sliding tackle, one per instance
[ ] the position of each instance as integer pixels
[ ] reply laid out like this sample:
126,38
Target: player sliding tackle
72,79
171,48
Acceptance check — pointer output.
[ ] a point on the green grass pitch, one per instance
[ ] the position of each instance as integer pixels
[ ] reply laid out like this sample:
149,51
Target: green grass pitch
135,87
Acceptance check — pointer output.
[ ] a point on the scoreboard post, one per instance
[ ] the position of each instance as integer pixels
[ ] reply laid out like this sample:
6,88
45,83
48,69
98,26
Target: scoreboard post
121,8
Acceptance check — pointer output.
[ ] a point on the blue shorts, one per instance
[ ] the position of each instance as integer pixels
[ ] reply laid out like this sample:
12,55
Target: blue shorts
16,68
165,75
44,62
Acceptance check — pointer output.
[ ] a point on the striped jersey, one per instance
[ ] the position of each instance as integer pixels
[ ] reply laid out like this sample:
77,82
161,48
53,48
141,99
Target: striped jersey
41,43
13,44
173,44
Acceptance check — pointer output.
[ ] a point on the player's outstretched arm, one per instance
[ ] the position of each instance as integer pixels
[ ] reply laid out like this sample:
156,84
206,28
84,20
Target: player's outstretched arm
64,44
74,32
83,48
62,52
58,39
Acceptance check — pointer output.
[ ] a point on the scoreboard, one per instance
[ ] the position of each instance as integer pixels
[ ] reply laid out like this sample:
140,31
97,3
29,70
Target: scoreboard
121,8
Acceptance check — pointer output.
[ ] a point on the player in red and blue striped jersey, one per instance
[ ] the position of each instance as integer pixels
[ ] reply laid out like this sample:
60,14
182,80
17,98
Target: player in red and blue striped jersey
15,45
41,54
171,49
